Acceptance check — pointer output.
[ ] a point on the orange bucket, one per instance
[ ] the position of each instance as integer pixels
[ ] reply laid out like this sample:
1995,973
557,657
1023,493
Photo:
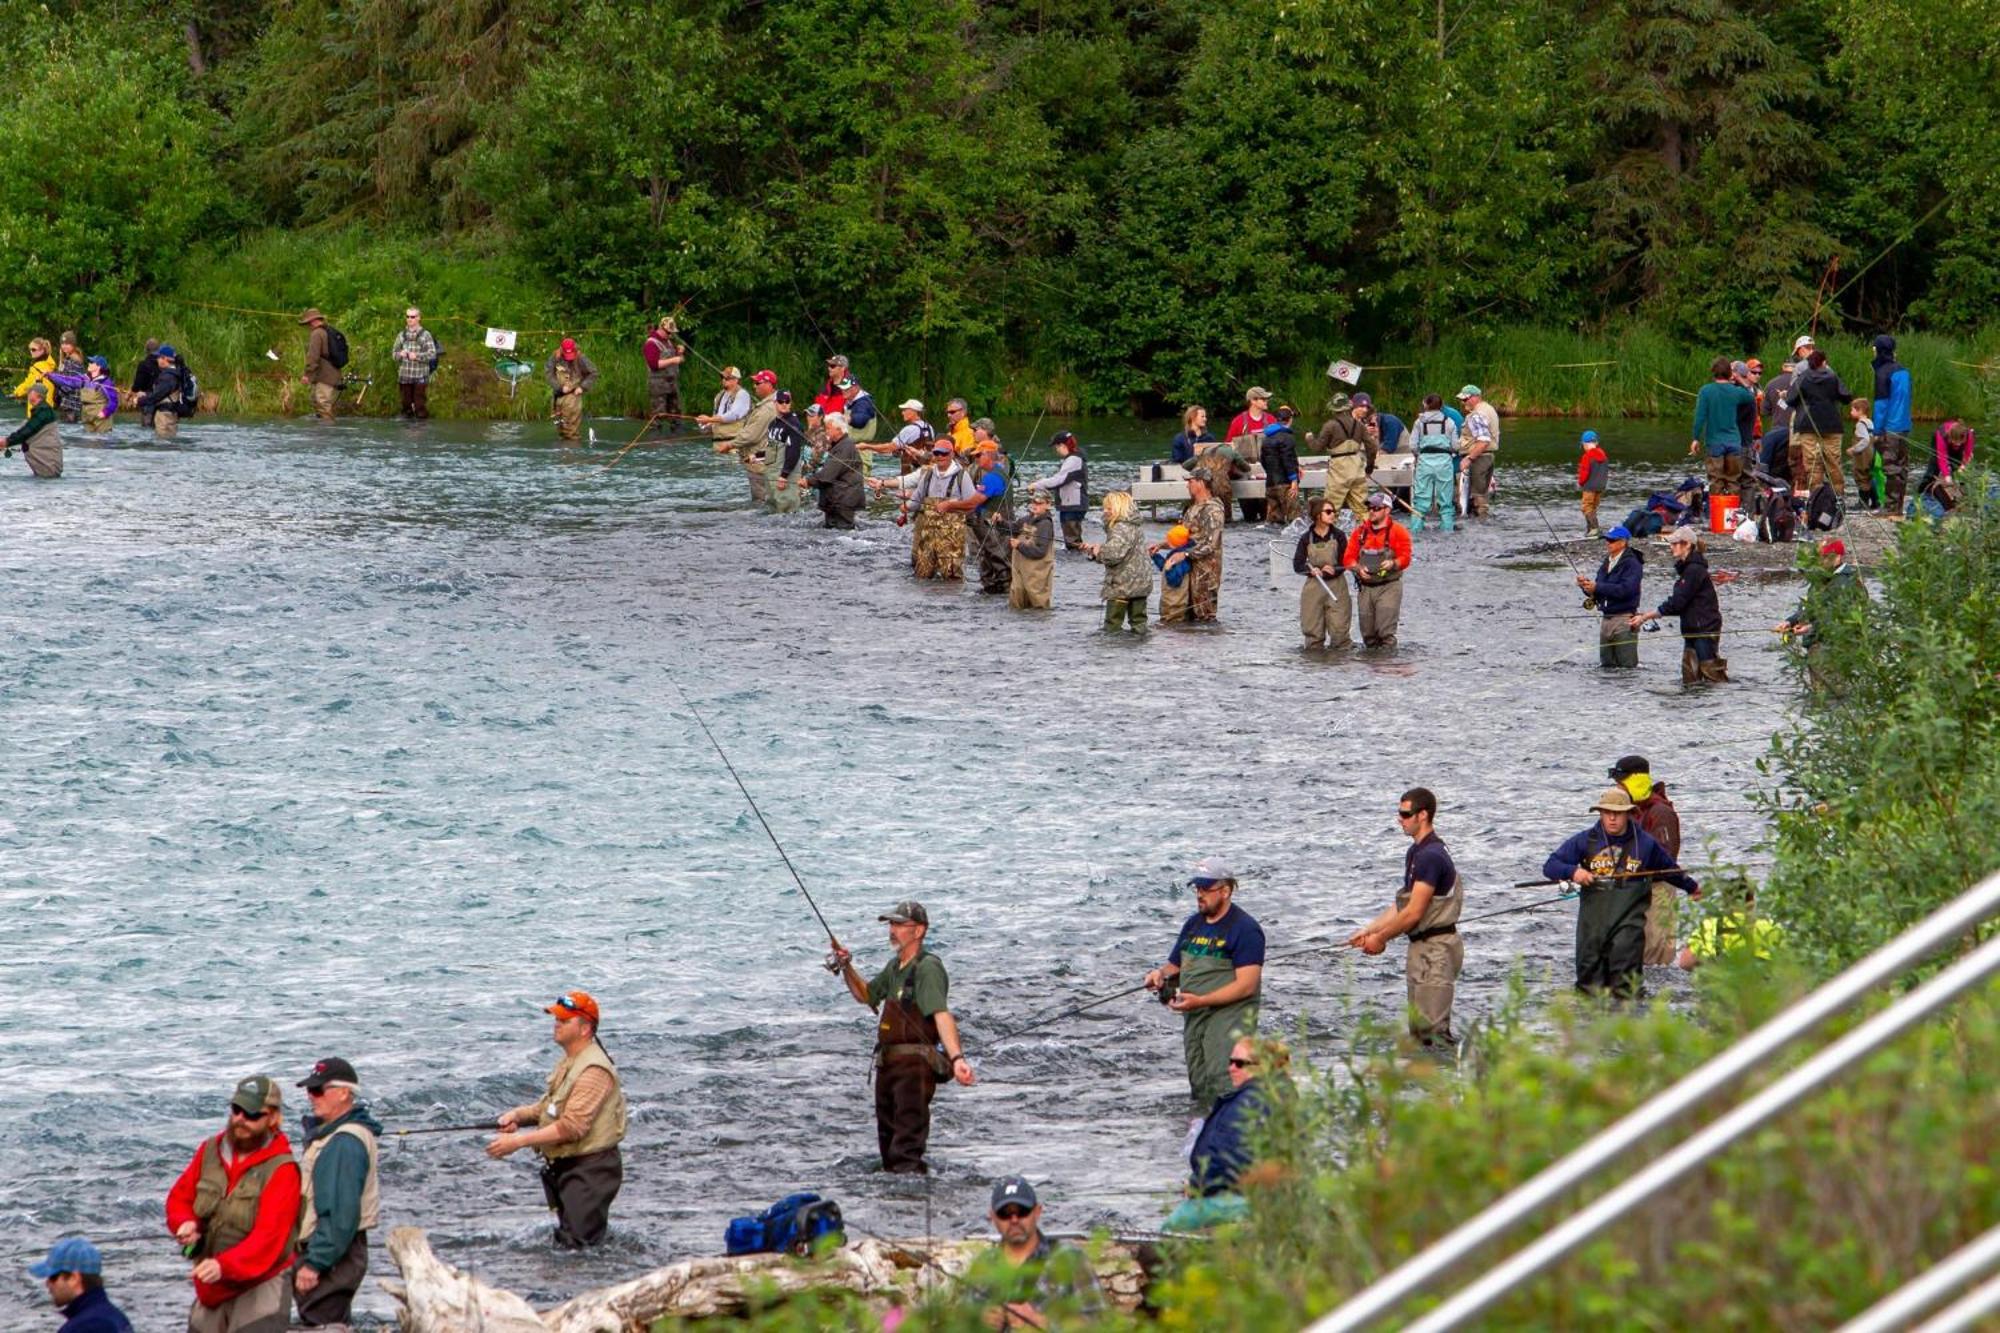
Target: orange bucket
1722,512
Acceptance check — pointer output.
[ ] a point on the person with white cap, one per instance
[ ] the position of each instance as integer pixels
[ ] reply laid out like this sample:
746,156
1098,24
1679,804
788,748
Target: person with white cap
917,1042
73,1275
1029,1281
341,1194
1213,978
1614,864
576,1126
1480,441
912,444
1694,601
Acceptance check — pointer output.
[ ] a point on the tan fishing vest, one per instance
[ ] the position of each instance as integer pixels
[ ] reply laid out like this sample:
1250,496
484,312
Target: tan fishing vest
607,1128
371,1192
1439,912
228,1216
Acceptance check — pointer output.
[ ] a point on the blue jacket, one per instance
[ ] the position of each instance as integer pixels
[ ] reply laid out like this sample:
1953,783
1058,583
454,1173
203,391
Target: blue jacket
93,1312
1618,589
1893,412
1222,1149
1562,862
338,1178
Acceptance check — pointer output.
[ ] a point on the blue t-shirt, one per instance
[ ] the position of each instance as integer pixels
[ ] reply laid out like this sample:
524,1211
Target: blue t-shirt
1457,417
1430,862
1237,939
992,485
1392,430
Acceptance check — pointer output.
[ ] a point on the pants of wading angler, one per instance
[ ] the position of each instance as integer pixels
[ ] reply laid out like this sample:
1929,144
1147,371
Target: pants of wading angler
1204,587
1895,451
903,1092
1618,642
416,396
1431,979
1323,619
44,452
1725,473
1861,458
843,519
265,1308
1281,502
995,556
165,425
98,425
1432,488
1701,660
1206,1040
1380,606
568,412
937,545
665,393
756,467
1588,504
1662,929
1611,939
785,494
324,396
580,1191
1347,485
1478,482
330,1301
1072,527
1173,602
1822,461
1031,583
1120,612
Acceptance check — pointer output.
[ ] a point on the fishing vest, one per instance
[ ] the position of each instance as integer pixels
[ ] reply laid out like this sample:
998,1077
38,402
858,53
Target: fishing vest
666,349
1380,560
569,374
1079,479
1440,915
905,1032
228,1215
607,1127
1434,434
371,1191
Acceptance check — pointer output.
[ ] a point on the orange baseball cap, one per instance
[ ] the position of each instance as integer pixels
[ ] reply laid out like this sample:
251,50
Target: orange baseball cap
571,1003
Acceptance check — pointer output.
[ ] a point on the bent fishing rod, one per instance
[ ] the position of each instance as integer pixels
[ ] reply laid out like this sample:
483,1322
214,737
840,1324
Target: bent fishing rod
1563,547
831,964
1321,947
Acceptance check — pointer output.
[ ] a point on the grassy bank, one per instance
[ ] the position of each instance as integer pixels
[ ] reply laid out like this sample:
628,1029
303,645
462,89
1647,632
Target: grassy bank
233,305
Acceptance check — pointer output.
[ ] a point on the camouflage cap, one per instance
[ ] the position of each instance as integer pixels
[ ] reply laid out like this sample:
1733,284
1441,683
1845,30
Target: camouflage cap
256,1095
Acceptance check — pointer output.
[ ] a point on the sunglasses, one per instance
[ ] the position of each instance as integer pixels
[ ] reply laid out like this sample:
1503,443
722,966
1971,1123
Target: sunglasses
1406,814
238,1113
1013,1212
1235,1063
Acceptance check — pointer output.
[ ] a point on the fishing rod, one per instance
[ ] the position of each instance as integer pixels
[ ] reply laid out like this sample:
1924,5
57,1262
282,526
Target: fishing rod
1588,601
1623,874
635,439
740,786
440,1129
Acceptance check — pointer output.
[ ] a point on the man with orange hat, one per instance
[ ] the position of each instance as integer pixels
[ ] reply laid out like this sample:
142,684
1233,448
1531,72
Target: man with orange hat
571,374
576,1127
322,377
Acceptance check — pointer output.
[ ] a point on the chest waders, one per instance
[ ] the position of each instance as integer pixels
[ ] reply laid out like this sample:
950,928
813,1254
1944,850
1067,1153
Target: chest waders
1611,924
1208,1034
1437,953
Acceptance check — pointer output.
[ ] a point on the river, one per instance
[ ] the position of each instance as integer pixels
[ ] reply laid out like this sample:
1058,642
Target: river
364,740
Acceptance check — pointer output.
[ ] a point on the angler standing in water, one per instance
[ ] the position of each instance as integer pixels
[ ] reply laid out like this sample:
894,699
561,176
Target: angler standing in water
341,1194
1615,863
577,1127
917,1042
236,1210
1215,976
1426,910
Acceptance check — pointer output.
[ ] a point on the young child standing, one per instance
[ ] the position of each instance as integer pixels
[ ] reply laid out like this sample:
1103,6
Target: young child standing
1867,469
1593,471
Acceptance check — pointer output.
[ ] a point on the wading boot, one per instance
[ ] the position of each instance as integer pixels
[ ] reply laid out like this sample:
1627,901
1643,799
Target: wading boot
1716,671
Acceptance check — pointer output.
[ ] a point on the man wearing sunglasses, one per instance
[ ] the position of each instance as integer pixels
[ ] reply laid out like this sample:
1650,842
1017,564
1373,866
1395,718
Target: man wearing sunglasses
1217,965
1028,1278
342,1199
235,1210
1426,910
576,1127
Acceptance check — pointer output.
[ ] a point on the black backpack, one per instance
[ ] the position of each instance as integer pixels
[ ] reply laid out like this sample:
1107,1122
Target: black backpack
1825,508
336,348
190,391
437,353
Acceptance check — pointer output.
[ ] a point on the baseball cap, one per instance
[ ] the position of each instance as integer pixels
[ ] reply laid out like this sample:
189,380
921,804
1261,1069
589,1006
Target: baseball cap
731,373
1257,391
910,405
1211,868
1683,533
1013,1190
906,912
571,1003
1379,500
568,345
1833,546
1361,400
837,360
1803,340
1618,533
256,1094
1062,437
1590,437
1616,800
74,1254
784,395
167,350
765,377
847,382
942,446
332,1070
1040,497
1626,767
1470,391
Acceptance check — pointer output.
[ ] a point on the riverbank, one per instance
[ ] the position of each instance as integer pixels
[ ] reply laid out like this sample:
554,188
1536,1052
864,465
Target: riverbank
231,307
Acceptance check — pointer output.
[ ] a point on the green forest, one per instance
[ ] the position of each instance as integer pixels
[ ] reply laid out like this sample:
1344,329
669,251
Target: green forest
1094,204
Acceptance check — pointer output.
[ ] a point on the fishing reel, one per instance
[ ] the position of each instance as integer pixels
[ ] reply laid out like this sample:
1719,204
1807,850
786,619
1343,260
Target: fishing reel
1168,989
833,963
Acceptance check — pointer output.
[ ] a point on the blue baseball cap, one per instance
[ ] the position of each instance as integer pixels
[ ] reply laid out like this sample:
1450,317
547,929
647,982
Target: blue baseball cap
71,1254
167,350
1590,437
1618,534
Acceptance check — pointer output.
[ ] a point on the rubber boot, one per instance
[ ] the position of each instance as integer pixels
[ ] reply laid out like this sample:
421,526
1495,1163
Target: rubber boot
1716,671
1690,668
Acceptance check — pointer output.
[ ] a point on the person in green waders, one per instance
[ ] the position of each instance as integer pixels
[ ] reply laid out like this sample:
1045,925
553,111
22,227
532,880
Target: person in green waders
1216,970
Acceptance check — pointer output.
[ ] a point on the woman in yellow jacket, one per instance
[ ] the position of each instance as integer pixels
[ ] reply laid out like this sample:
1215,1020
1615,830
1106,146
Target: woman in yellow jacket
40,363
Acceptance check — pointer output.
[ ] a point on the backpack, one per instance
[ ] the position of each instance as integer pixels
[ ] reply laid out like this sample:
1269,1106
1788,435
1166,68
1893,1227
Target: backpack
336,348
190,391
1825,509
437,352
792,1225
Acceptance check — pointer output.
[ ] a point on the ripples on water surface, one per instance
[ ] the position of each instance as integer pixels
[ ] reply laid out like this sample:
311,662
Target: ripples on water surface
363,741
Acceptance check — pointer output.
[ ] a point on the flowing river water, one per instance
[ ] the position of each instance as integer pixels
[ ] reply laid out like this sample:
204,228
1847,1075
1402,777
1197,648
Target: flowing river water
364,740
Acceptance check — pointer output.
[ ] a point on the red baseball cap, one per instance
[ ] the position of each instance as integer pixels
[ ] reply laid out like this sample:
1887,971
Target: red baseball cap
765,377
571,1003
569,345
1833,546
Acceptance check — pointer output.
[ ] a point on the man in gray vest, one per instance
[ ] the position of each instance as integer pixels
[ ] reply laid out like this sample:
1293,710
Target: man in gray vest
1426,910
578,1126
340,1195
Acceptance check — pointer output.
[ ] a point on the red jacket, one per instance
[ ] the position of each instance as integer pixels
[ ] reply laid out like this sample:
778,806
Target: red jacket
267,1249
1245,424
830,398
1591,455
1366,537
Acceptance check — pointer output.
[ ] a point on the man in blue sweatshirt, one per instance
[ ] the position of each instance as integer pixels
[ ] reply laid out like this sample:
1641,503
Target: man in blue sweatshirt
1892,424
1614,864
340,1199
1615,590
74,1276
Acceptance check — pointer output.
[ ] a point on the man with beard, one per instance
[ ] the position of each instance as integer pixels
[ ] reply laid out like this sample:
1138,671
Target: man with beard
235,1210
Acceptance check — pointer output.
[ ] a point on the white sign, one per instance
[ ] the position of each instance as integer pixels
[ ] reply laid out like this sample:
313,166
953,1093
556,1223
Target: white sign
500,340
1344,371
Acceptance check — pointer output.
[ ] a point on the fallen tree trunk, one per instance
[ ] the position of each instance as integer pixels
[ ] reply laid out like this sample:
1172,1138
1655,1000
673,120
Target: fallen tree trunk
438,1298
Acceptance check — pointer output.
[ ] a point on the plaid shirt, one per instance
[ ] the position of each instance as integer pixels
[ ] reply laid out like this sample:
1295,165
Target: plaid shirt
419,370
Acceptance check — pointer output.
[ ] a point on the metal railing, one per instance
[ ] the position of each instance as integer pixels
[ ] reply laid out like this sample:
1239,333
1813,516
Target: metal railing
1947,924
1900,1307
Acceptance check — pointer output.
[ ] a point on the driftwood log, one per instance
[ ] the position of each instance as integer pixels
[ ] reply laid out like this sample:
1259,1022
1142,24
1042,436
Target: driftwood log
438,1298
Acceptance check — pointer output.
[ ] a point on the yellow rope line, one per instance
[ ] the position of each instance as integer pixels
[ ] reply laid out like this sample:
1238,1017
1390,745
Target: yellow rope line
1676,388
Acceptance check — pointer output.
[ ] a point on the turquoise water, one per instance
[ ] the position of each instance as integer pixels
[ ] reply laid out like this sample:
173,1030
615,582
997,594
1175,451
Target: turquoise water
364,740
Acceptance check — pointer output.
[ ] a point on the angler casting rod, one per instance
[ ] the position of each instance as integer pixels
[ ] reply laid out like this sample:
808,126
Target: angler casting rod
740,786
